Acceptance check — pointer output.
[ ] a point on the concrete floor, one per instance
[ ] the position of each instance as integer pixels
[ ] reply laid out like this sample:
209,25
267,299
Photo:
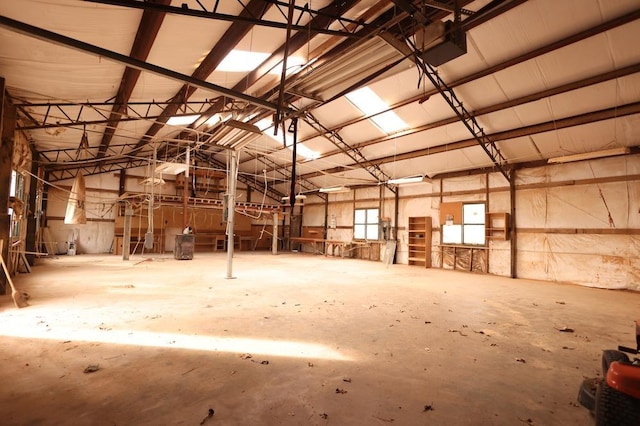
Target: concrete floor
298,339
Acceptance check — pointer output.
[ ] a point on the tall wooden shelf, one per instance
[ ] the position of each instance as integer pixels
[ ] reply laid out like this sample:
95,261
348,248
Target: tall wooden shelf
420,241
497,226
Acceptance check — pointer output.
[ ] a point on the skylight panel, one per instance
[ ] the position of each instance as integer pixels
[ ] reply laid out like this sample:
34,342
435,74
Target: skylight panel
182,120
242,61
367,101
302,150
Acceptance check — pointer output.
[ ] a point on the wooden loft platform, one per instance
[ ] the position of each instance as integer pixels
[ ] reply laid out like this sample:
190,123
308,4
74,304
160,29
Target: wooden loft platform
198,202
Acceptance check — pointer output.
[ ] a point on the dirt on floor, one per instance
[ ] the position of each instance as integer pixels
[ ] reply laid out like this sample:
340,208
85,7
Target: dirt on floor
298,339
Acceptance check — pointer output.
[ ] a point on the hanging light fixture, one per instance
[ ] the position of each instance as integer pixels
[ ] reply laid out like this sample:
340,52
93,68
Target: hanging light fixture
406,180
335,189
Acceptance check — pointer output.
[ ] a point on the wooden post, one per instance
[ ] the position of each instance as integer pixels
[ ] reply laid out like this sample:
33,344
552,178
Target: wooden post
7,129
126,240
30,214
514,239
274,239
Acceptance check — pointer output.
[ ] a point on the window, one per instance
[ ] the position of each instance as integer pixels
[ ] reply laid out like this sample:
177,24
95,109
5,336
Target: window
473,218
16,190
470,230
365,224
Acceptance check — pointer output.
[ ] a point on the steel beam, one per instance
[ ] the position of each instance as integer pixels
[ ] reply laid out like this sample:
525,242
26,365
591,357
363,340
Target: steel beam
59,39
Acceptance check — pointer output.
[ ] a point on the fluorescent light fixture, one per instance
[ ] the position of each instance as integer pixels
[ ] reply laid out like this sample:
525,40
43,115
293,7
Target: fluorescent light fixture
367,101
182,120
335,189
301,150
589,155
242,61
405,180
171,168
238,134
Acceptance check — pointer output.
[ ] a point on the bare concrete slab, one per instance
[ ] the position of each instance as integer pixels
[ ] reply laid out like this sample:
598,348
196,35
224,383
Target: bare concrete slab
298,339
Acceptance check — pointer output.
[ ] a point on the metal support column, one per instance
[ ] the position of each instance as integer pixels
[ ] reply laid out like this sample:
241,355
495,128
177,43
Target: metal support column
231,203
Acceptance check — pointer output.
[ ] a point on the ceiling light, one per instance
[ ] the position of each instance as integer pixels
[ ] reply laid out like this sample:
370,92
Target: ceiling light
182,120
405,180
335,189
589,155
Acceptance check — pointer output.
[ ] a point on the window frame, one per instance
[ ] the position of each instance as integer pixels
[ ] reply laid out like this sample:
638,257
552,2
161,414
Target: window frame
368,226
456,231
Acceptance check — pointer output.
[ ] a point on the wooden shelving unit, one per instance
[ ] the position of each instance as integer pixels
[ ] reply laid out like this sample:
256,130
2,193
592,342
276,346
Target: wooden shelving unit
420,241
497,226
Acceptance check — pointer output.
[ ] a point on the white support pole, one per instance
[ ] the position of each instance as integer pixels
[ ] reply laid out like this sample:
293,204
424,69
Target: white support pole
231,203
274,237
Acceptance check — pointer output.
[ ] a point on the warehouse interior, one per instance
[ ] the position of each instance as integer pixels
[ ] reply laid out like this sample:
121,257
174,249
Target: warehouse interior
458,182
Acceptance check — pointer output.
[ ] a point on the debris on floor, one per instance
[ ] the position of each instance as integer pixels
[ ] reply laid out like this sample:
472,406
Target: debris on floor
246,356
346,379
341,391
310,364
560,303
565,329
383,419
522,360
324,416
457,331
209,415
91,368
428,407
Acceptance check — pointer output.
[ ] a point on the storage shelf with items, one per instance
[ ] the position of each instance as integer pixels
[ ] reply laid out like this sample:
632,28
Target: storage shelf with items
497,226
419,241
